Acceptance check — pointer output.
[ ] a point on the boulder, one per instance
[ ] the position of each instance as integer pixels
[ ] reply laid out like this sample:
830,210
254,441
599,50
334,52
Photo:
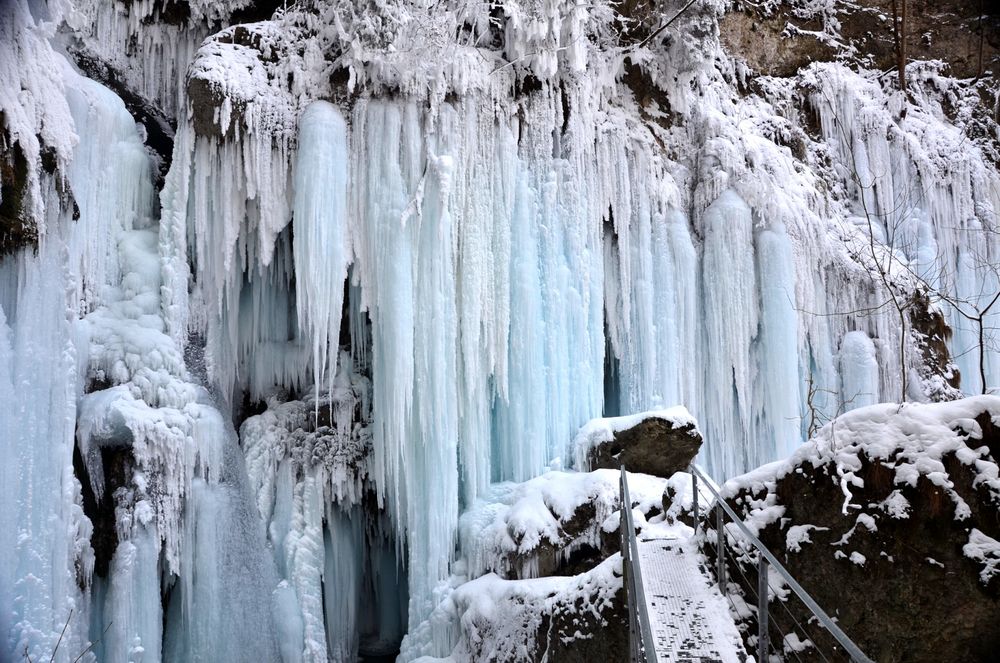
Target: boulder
660,442
557,524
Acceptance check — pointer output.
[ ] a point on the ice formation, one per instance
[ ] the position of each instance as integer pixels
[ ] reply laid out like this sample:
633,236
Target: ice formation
421,262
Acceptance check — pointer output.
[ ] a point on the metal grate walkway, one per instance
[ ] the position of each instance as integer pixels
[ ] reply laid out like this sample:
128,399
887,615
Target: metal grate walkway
690,619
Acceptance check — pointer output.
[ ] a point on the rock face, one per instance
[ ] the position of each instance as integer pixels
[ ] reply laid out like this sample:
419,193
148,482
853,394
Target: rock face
777,39
659,443
16,230
895,513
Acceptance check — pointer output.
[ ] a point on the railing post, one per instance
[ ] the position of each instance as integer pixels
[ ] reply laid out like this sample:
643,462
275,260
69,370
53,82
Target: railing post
721,548
694,499
762,605
626,575
767,561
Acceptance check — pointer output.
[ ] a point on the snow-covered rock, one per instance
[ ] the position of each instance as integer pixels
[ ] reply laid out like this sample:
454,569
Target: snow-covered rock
552,523
889,510
661,442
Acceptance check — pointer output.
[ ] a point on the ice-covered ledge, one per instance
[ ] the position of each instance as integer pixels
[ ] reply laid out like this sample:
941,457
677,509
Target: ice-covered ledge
658,442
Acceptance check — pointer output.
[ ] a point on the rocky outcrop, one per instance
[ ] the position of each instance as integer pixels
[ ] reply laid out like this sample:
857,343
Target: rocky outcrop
16,228
889,512
778,39
660,443
558,524
930,334
561,620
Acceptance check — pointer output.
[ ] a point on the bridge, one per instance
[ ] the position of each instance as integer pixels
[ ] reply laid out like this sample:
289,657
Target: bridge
681,611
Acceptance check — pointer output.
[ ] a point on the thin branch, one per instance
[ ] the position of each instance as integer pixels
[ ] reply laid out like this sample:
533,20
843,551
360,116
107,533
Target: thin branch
59,641
663,27
93,644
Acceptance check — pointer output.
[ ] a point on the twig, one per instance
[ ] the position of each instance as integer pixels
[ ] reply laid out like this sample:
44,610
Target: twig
93,644
663,27
59,641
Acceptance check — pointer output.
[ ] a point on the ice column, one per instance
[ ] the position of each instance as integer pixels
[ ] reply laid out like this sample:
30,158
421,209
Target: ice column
321,245
776,387
859,371
730,317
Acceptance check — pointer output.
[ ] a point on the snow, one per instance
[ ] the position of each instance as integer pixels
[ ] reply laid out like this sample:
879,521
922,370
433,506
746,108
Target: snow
798,535
984,550
909,439
503,616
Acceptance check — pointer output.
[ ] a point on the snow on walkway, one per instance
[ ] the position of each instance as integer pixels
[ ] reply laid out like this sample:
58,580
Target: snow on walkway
690,619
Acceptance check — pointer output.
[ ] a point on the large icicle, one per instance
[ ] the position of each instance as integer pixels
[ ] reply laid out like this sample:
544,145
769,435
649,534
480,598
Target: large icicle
321,245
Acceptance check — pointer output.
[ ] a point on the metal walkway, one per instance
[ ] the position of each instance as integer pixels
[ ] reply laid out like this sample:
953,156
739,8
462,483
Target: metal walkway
689,618
678,609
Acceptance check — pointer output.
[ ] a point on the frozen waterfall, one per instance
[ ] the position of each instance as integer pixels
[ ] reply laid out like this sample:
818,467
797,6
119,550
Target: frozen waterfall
244,413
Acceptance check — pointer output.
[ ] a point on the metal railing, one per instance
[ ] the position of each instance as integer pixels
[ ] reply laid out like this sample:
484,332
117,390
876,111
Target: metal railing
640,633
766,561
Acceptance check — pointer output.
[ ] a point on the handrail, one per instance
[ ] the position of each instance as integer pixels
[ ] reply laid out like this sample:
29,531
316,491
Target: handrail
642,646
852,649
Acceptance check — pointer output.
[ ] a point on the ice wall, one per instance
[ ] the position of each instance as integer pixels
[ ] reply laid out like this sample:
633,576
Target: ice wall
106,437
46,562
929,197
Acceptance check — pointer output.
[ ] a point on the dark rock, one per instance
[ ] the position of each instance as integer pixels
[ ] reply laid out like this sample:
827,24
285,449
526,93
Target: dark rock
947,30
931,333
573,634
912,594
205,99
118,465
17,229
584,621
654,446
549,559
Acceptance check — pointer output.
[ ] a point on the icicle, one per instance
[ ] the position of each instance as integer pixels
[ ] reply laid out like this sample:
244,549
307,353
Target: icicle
858,370
731,318
321,243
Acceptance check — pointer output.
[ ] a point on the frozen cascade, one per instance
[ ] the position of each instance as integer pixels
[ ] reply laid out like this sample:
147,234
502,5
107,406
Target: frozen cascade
499,252
41,511
932,201
223,606
730,327
549,239
858,370
777,415
81,314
